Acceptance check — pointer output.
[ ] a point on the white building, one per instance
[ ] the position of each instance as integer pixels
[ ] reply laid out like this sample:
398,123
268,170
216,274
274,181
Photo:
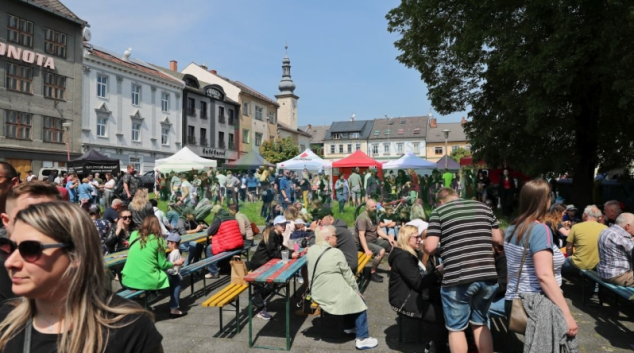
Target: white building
131,111
392,137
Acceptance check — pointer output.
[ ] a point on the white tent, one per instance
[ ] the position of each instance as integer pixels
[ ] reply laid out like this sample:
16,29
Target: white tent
307,160
410,161
182,161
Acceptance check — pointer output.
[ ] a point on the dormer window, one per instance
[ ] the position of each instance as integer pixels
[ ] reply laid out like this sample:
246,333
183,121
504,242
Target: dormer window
377,132
417,131
388,131
400,131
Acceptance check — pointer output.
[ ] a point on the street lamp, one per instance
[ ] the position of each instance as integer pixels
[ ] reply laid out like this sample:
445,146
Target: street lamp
446,132
67,126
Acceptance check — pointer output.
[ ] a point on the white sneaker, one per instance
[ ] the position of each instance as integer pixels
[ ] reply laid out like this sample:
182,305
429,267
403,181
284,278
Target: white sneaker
367,343
352,331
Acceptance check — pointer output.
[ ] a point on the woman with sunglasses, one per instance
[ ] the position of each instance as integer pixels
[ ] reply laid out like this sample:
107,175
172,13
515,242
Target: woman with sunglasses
117,240
414,290
56,266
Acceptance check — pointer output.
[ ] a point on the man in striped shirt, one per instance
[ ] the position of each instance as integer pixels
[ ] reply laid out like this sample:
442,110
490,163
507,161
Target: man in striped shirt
465,231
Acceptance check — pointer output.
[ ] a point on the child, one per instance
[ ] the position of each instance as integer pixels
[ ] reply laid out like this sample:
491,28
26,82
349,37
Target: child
173,241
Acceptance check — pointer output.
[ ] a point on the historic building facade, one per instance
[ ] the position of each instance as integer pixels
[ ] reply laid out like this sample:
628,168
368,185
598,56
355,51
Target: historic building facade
436,139
346,137
41,75
131,110
392,137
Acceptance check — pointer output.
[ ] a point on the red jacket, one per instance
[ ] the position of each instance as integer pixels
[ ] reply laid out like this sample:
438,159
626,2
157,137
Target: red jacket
227,238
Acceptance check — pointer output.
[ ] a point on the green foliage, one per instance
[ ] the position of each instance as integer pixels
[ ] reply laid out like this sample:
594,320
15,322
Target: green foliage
279,150
319,150
550,83
459,153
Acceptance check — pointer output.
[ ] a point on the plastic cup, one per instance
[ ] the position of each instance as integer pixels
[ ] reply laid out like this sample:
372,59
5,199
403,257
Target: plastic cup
284,255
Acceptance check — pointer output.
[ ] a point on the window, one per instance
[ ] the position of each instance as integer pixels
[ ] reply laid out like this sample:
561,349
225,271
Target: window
101,126
332,149
417,131
375,149
258,139
191,135
203,110
454,148
302,147
102,86
221,140
165,102
54,86
349,148
272,118
136,131
203,137
221,115
231,142
258,112
438,150
377,132
52,129
19,78
136,162
400,131
340,148
20,31
416,148
18,125
386,148
399,147
245,109
55,43
388,131
136,94
191,107
165,133
358,147
402,122
231,120
245,136
354,135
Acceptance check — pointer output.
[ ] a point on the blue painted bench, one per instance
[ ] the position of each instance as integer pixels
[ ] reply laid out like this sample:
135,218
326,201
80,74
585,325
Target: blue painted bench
625,292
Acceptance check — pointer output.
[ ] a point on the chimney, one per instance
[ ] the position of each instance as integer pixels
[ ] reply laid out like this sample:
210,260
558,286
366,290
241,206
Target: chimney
214,72
433,123
463,121
174,65
310,128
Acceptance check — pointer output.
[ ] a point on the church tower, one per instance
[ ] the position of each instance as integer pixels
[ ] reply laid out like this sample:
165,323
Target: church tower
287,112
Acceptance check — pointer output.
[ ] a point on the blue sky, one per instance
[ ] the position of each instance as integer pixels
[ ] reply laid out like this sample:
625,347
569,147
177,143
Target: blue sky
342,56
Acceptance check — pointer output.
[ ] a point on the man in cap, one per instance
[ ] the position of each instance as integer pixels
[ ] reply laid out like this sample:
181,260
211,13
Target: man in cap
345,240
225,235
571,215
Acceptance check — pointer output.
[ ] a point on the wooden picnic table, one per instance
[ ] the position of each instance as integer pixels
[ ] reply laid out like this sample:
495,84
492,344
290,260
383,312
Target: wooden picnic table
120,257
275,274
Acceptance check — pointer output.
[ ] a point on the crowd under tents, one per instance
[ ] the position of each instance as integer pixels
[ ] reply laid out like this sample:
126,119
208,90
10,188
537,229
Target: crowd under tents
93,162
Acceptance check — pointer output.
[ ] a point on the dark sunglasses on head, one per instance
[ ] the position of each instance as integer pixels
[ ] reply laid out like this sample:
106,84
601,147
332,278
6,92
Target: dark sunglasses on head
30,250
126,217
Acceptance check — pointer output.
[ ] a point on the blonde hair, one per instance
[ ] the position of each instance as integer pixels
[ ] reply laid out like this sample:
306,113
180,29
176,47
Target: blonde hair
140,199
321,232
290,213
87,304
402,241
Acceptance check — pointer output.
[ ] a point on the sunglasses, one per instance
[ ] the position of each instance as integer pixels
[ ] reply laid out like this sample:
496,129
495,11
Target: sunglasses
126,217
30,250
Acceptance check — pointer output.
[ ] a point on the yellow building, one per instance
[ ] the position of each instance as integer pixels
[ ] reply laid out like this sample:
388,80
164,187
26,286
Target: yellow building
258,118
436,139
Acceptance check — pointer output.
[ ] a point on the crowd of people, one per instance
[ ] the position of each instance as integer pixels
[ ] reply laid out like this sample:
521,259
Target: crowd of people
455,270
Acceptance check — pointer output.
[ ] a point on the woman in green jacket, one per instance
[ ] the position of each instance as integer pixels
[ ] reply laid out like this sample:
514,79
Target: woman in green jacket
146,263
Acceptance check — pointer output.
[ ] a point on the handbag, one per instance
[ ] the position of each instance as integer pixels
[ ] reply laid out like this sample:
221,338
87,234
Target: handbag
307,300
255,228
518,317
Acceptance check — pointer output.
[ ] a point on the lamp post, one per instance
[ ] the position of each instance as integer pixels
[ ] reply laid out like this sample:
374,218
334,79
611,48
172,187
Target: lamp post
67,126
446,132
388,137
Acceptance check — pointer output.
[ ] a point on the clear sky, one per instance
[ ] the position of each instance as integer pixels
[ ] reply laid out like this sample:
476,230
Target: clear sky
342,56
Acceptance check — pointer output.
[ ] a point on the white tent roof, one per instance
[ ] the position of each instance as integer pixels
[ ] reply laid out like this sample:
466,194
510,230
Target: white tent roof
306,159
182,161
410,160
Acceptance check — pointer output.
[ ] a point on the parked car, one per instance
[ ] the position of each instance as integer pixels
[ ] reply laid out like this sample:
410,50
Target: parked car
148,181
45,172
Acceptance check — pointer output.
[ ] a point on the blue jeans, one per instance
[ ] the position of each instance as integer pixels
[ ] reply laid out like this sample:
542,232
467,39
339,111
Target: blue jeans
213,267
342,202
172,217
358,321
175,291
568,267
466,303
190,248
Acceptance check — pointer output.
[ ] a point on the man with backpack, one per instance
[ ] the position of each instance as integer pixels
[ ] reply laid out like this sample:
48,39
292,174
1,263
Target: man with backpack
130,183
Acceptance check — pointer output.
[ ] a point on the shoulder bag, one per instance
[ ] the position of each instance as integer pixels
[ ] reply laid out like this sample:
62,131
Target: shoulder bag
518,317
308,300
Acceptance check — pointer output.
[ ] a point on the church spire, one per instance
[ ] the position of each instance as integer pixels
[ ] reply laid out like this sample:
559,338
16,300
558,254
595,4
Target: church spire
286,85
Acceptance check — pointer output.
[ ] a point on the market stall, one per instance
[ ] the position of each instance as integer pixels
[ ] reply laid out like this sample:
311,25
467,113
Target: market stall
306,160
94,162
250,161
410,161
182,161
449,163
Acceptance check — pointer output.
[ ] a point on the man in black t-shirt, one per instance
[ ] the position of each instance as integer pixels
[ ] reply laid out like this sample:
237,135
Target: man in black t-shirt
345,239
111,214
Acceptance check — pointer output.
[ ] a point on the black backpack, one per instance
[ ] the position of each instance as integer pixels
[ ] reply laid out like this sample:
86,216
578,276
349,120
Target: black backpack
118,190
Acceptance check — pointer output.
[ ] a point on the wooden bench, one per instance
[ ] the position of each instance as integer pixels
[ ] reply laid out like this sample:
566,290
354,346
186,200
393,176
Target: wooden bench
619,291
133,293
200,265
362,280
227,296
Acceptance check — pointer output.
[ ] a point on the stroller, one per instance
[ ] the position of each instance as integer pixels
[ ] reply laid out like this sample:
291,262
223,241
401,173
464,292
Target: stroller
201,211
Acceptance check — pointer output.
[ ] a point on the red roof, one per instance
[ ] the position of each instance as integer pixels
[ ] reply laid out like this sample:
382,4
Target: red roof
357,159
144,69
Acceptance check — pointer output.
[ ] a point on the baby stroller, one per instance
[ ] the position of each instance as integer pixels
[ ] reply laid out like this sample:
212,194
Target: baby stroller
201,211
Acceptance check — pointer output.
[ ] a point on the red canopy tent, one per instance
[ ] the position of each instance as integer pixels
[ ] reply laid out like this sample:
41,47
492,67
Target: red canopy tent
360,160
468,160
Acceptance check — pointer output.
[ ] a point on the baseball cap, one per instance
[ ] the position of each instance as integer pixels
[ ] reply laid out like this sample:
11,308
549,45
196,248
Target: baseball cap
322,212
571,207
299,221
216,208
174,237
280,220
418,223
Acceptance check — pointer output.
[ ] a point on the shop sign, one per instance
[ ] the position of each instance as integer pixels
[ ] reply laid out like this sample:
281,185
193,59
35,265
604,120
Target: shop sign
214,93
27,56
214,152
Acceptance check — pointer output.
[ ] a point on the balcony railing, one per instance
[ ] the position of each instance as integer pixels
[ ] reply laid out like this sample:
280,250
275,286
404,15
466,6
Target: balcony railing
221,144
204,142
221,119
191,112
191,140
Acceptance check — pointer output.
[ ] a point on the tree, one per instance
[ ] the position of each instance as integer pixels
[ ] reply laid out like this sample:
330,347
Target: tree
279,150
459,153
550,83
